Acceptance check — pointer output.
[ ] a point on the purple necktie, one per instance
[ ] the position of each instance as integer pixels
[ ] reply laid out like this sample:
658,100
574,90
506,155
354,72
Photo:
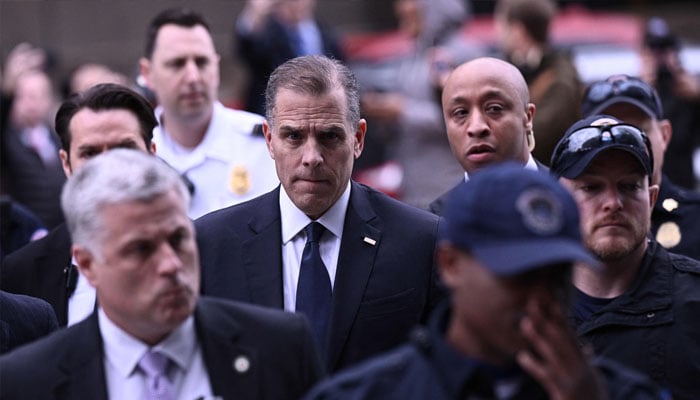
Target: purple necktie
155,366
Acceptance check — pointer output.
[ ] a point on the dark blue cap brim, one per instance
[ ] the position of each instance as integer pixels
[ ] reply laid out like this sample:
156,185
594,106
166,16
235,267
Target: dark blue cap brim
600,108
509,259
577,168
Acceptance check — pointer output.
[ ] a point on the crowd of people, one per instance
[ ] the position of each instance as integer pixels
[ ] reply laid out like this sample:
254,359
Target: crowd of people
157,244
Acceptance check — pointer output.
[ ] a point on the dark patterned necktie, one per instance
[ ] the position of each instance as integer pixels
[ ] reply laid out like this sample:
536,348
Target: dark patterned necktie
314,293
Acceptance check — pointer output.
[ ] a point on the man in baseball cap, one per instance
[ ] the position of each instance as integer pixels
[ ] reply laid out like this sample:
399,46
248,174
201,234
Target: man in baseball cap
674,216
640,308
509,239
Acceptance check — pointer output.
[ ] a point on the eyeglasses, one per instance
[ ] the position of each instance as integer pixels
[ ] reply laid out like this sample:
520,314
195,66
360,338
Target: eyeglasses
593,137
621,85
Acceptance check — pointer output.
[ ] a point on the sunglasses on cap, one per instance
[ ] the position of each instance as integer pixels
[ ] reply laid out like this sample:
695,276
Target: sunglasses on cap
593,137
621,86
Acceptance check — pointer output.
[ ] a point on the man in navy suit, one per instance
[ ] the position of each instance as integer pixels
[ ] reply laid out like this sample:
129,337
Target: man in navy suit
376,275
104,117
152,334
23,319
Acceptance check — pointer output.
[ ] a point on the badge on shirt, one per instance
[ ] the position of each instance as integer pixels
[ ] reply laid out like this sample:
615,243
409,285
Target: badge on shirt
668,235
669,204
239,180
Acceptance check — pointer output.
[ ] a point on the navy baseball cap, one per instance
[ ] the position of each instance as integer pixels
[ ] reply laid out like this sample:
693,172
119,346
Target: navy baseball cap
514,220
587,138
621,89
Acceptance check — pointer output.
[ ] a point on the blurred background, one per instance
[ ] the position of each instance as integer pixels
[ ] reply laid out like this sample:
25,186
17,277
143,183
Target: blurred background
112,32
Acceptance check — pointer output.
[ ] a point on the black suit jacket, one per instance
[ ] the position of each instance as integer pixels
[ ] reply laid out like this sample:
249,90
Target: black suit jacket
381,290
279,346
437,207
23,319
41,269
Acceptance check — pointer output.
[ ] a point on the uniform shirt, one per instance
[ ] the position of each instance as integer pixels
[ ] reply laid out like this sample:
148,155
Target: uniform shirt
229,166
674,219
122,353
294,239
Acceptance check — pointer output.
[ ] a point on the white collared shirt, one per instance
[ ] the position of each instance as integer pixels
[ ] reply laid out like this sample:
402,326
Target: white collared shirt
531,165
229,166
294,239
122,353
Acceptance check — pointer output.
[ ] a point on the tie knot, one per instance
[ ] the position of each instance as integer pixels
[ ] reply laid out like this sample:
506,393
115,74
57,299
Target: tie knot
154,363
313,232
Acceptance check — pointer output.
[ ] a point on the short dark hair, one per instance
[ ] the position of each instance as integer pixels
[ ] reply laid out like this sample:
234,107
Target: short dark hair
106,96
314,75
176,16
535,15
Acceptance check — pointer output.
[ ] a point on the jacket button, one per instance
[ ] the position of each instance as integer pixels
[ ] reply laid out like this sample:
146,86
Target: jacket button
650,315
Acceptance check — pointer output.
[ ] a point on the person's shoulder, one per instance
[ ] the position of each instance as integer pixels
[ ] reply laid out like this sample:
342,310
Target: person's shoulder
388,206
236,214
684,263
19,303
377,378
262,320
625,383
244,120
21,259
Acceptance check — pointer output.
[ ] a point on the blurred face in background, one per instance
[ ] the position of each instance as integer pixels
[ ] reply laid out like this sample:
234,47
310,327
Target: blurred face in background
33,100
183,71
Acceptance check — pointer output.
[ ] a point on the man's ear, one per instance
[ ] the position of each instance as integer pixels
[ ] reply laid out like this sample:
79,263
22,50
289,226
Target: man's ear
267,133
360,137
86,264
65,163
666,131
653,195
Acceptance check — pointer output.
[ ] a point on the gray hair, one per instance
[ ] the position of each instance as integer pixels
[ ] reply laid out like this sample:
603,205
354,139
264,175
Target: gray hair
314,75
116,176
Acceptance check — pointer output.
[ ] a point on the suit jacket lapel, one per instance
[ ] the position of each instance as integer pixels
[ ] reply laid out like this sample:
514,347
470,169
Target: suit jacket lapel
355,263
262,254
233,369
83,369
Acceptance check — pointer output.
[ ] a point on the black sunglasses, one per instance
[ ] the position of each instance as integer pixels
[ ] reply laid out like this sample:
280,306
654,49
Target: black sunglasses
593,137
620,85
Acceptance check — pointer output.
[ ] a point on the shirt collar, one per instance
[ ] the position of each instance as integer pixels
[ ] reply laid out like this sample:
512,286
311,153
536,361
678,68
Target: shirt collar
531,165
123,351
294,220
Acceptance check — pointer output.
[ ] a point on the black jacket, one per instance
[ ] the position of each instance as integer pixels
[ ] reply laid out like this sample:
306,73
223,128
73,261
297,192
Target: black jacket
654,327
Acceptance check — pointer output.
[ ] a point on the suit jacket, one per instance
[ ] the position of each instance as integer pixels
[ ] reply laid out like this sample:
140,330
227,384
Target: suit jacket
381,289
438,205
23,319
279,346
41,269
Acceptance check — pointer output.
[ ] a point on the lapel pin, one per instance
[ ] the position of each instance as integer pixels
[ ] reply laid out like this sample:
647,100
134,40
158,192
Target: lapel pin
369,241
241,364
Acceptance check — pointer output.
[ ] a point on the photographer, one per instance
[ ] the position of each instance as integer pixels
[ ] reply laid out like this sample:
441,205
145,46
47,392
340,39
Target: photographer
679,91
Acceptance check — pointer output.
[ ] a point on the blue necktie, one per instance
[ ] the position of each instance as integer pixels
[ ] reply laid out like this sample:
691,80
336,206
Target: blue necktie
314,294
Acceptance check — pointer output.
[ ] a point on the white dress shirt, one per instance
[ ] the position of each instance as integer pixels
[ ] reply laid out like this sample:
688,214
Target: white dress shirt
531,165
294,239
122,353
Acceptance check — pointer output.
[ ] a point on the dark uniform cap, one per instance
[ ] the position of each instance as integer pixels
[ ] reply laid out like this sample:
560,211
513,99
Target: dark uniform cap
589,137
514,220
617,89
